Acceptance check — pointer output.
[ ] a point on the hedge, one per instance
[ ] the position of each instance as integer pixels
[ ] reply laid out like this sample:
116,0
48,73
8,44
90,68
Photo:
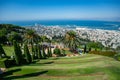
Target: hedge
104,53
3,63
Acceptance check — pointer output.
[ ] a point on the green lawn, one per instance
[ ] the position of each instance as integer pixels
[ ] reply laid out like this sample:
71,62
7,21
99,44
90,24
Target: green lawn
9,50
84,67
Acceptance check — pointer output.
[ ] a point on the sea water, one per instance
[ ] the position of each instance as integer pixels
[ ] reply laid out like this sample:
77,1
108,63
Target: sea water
93,24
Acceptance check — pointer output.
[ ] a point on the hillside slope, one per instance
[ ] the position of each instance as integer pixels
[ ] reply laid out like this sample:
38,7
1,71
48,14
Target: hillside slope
85,67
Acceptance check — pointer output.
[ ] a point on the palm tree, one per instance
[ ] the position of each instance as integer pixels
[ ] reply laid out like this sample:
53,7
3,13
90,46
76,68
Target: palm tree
31,37
71,40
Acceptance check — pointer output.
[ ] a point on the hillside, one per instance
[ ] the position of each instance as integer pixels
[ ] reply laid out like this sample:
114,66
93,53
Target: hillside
84,67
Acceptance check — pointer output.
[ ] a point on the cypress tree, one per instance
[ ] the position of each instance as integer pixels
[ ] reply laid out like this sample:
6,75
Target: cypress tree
44,54
27,54
50,52
39,52
32,52
85,49
2,52
17,53
90,49
35,51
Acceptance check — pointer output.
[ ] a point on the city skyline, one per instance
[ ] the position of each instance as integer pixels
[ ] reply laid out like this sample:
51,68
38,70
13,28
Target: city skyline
60,9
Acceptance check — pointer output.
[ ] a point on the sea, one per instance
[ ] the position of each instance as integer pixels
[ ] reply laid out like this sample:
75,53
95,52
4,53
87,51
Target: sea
92,24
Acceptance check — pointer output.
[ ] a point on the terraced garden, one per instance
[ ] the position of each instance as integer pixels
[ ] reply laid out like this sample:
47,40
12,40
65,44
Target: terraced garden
83,67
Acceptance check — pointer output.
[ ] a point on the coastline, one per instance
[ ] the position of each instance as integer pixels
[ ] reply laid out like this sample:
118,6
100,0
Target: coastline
93,24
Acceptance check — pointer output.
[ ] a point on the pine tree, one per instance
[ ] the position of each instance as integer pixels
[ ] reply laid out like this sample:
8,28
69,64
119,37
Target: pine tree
27,54
17,53
2,52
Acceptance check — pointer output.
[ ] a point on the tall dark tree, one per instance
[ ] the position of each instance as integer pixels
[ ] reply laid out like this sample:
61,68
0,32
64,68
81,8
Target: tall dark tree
43,52
27,54
3,37
2,52
17,53
39,52
33,52
50,52
85,49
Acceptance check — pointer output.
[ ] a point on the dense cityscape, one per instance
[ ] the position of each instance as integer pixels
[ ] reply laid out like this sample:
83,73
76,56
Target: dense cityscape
108,38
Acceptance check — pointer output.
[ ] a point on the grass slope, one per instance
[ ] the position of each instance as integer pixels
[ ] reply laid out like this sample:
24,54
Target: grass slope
9,50
85,67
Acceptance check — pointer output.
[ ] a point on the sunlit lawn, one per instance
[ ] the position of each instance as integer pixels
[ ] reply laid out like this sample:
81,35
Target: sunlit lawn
84,67
8,50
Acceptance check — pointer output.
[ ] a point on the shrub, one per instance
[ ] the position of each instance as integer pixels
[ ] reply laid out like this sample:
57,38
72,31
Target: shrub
104,53
10,63
117,56
57,51
3,63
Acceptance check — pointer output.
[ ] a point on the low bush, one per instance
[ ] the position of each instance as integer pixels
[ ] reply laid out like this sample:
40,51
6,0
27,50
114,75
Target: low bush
3,63
57,51
117,56
104,53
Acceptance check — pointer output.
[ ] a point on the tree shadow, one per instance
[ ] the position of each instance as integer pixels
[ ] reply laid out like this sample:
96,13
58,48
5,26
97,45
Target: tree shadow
36,61
48,62
25,76
55,58
8,73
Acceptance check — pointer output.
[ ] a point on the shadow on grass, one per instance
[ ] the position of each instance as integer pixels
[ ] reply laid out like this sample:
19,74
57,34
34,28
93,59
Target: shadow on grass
55,58
24,76
36,61
8,73
48,62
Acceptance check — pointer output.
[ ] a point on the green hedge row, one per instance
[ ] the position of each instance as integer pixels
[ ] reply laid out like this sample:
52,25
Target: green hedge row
3,63
104,53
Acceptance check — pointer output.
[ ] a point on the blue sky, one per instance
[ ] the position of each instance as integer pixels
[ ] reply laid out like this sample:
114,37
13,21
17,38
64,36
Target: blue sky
59,9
